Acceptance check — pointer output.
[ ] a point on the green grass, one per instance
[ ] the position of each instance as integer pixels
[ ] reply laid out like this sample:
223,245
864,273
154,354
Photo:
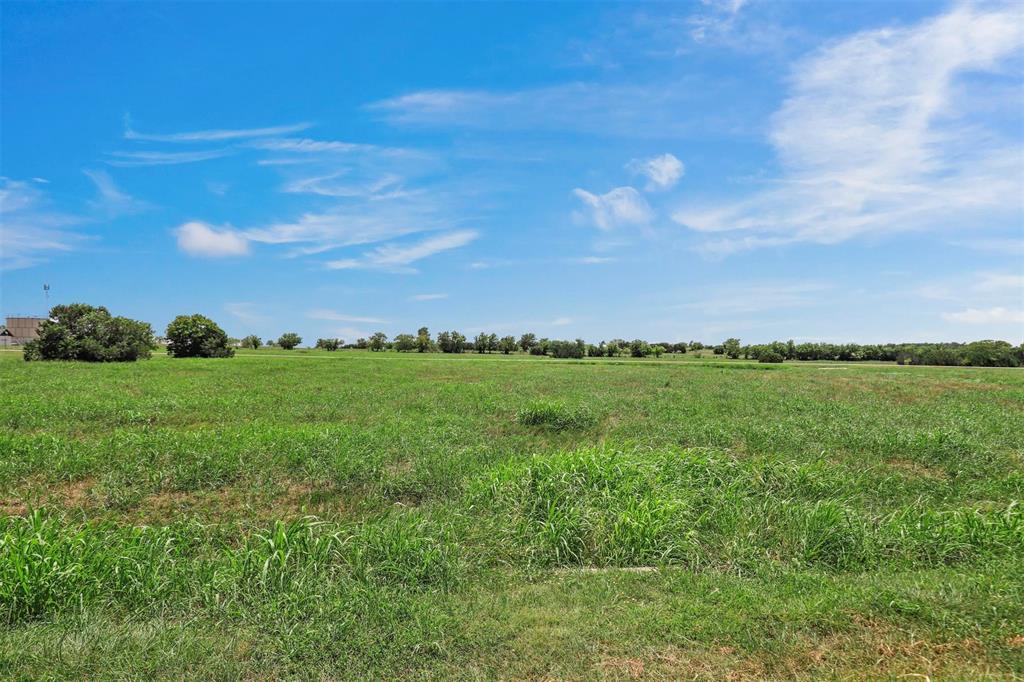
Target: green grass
354,515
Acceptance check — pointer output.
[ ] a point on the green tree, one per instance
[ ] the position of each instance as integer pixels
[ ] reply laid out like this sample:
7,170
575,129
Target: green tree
731,348
329,344
657,350
252,341
480,343
638,348
91,334
405,343
423,343
289,340
196,336
507,344
527,341
377,341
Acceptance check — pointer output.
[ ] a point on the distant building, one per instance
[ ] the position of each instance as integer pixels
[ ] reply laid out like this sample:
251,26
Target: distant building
20,330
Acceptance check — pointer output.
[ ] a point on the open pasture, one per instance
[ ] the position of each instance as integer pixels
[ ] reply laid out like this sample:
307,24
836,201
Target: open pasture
357,515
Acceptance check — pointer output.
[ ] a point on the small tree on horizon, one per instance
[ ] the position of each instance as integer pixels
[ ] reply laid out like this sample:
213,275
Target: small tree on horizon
527,341
252,341
289,340
507,344
377,341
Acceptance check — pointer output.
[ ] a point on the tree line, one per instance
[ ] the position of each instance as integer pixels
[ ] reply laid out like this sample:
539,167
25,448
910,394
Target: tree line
90,333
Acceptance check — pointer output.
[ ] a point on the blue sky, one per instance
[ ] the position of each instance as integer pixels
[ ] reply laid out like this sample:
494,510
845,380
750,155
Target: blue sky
818,171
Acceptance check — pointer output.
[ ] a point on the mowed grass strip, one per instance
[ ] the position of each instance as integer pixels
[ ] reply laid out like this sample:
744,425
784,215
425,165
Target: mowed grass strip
429,516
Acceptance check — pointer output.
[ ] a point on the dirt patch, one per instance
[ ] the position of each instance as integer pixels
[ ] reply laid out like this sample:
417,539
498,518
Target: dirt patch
67,494
917,470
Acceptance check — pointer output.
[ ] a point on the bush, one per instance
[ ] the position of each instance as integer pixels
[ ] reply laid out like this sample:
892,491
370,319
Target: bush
88,333
328,344
567,349
289,340
769,356
252,341
639,348
197,336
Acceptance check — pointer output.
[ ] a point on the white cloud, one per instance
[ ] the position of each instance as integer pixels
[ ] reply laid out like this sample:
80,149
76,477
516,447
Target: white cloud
199,239
327,186
561,322
112,200
349,226
305,145
996,315
592,260
627,110
993,282
874,137
215,135
134,159
398,257
717,22
662,172
29,229
428,297
621,206
333,316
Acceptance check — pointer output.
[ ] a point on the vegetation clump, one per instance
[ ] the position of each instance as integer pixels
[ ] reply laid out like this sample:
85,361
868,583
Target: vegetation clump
556,415
197,336
289,340
91,334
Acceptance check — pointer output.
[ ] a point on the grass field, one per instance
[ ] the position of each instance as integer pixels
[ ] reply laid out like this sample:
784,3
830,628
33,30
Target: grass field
354,515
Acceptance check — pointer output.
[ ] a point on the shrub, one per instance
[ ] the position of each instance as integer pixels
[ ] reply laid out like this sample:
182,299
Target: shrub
567,349
639,348
769,356
289,340
252,341
328,344
405,343
556,415
196,336
84,332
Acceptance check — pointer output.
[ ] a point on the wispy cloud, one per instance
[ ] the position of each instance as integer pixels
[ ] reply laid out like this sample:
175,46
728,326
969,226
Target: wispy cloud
662,172
132,159
621,206
334,316
592,260
995,315
627,110
872,140
329,186
112,201
199,239
398,258
752,297
348,226
428,297
249,313
304,145
215,135
30,230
